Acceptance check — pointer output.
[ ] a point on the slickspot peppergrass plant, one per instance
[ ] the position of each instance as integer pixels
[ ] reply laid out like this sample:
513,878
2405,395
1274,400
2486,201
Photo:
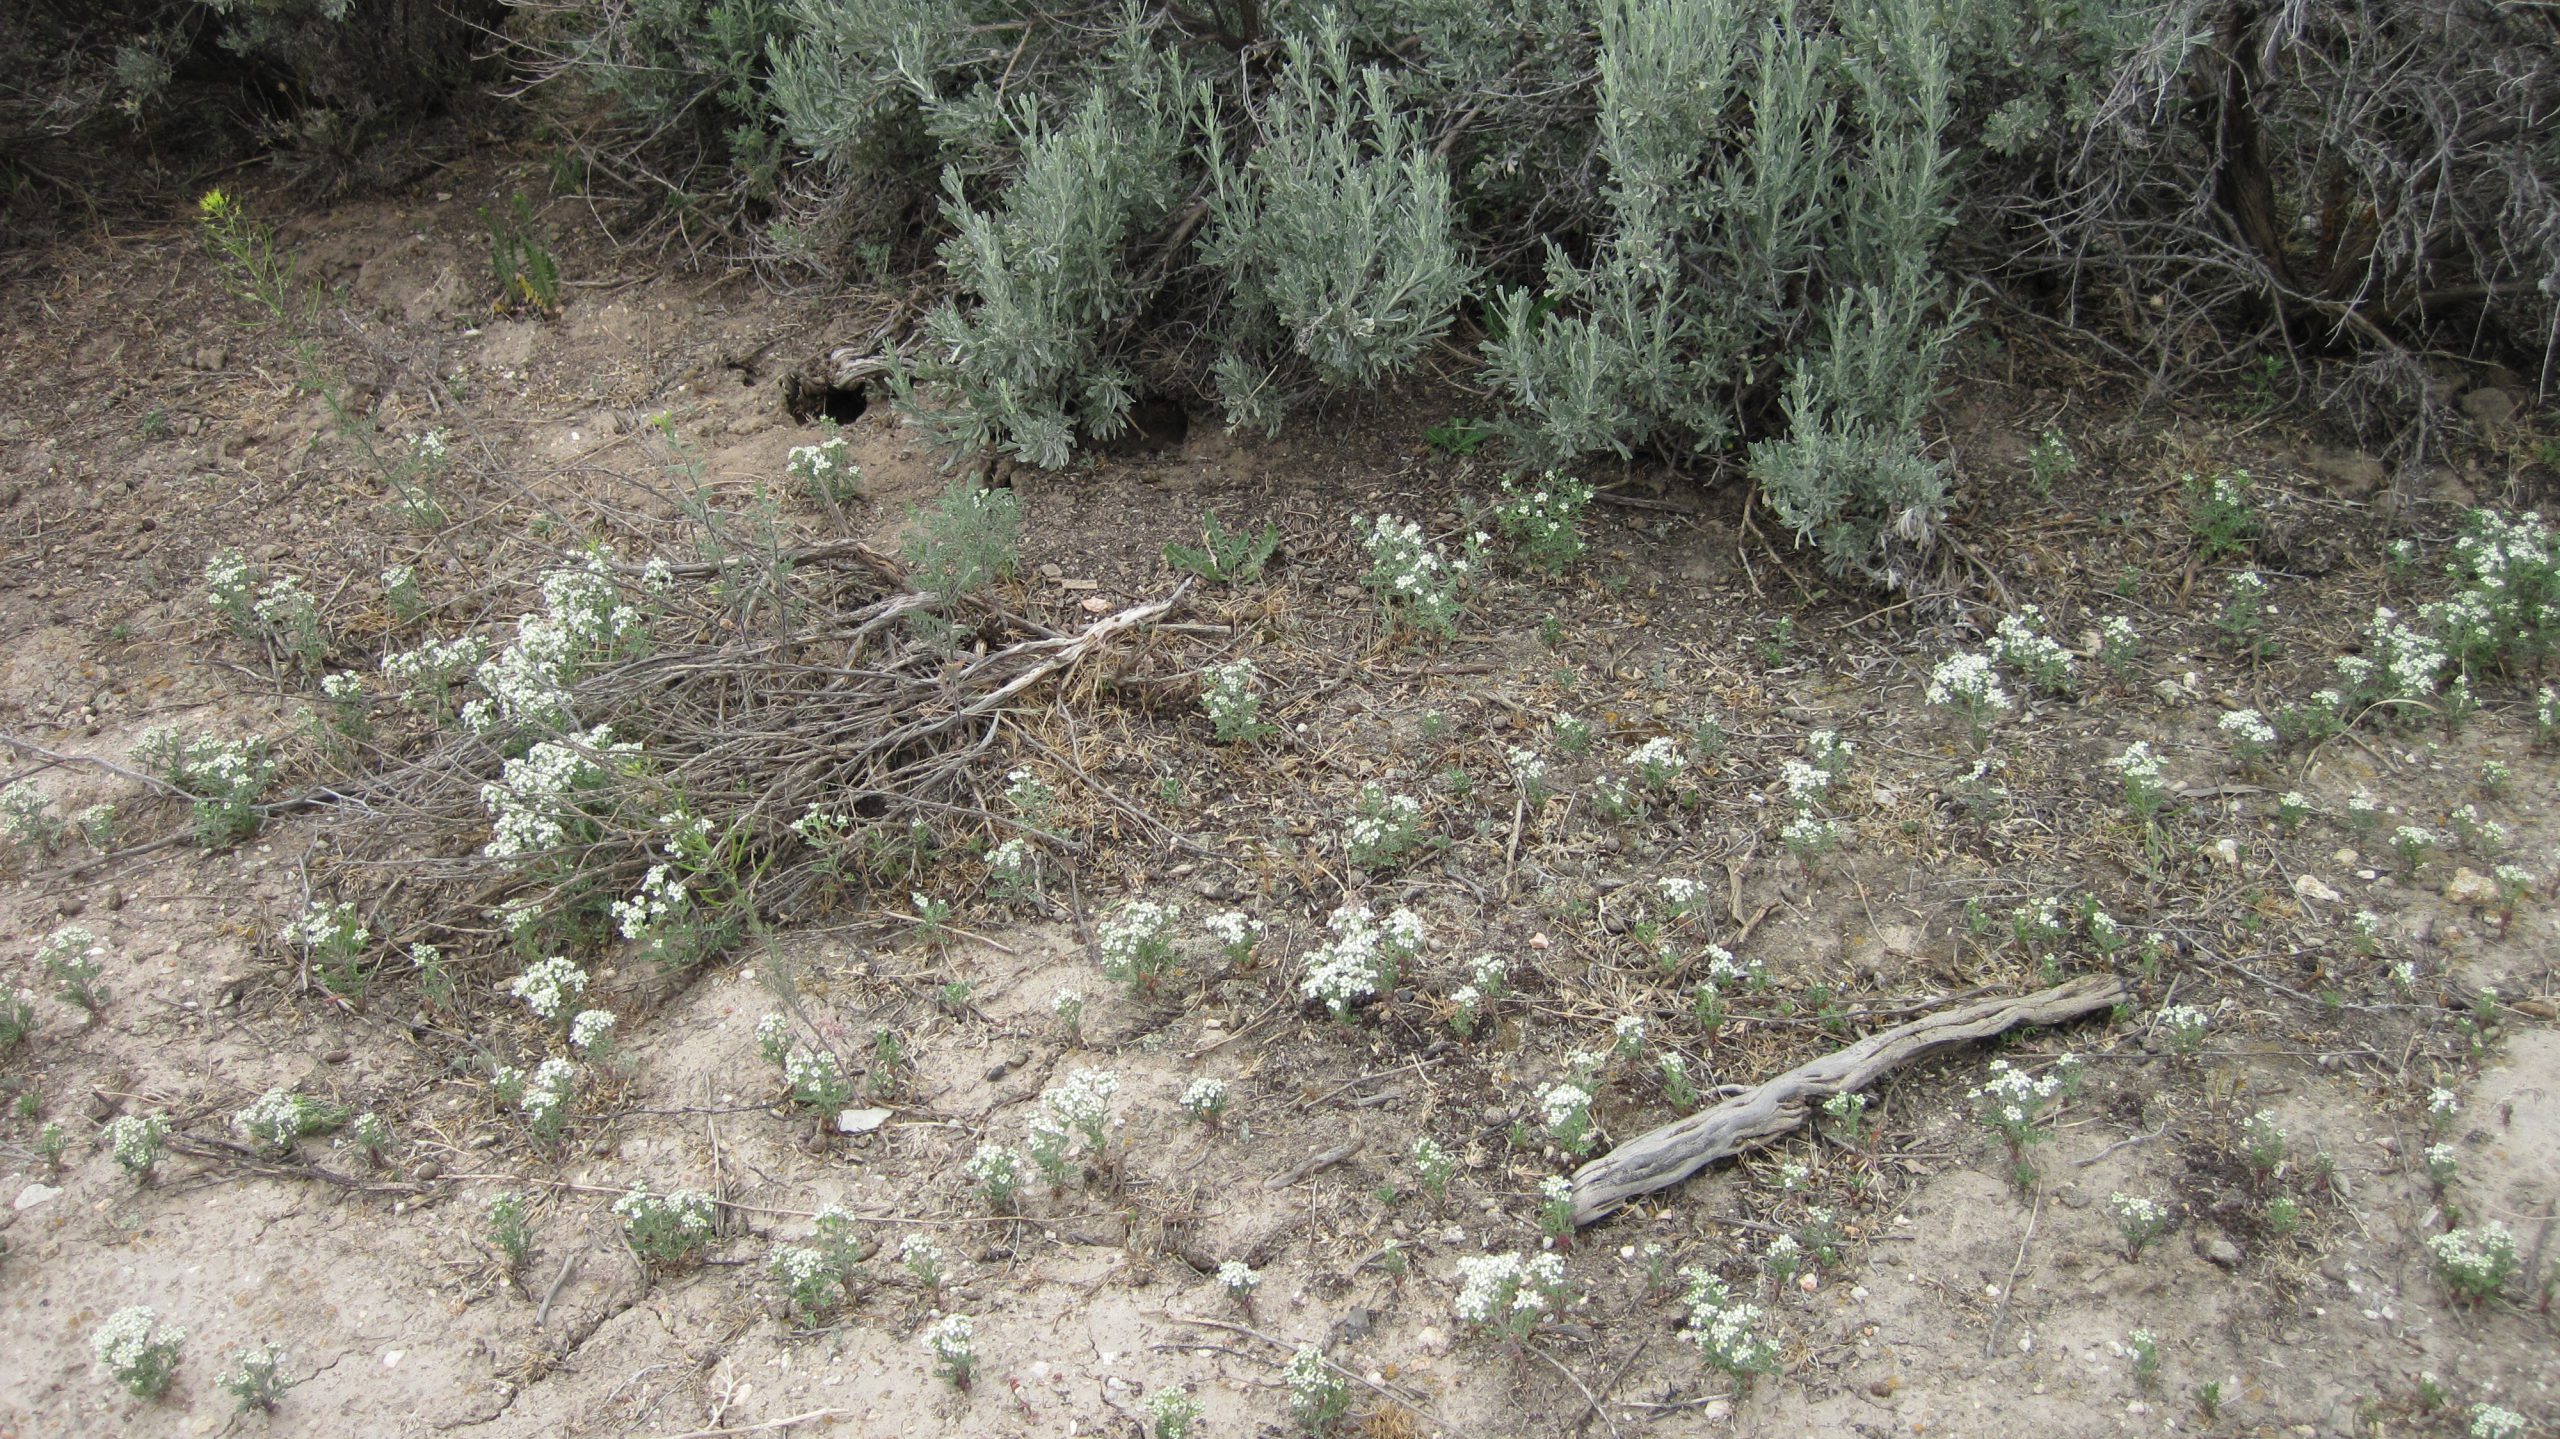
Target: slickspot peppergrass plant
1967,684
280,1118
1136,944
1205,1101
1171,1413
813,1282
1229,696
666,1229
2475,1263
2222,513
2021,643
1542,519
1419,586
26,818
2182,1026
997,1171
1564,1108
2251,738
2488,1421
2262,1144
1726,1330
1382,830
1318,1397
1226,558
221,778
17,1019
1363,958
255,1381
952,1340
551,987
136,1141
1507,1296
334,942
136,1352
2139,1221
2016,1106
826,470
1432,1166
924,1261
69,957
2145,1348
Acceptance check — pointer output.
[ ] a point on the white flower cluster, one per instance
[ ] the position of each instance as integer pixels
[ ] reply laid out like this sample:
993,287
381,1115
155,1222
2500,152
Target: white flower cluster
1725,1329
2020,641
277,1118
952,1341
2133,1212
1967,682
1362,958
216,770
1081,1106
1528,768
1238,1278
550,987
133,1347
1805,784
1507,1293
2184,1024
2248,730
324,927
1658,761
1205,1098
229,585
435,666
1384,826
1139,938
2476,1262
2011,1099
590,1028
584,620
1410,574
1235,931
2139,766
547,1093
1234,706
134,1141
534,798
827,467
1680,892
1008,863
2488,1421
662,893
688,1213
2398,662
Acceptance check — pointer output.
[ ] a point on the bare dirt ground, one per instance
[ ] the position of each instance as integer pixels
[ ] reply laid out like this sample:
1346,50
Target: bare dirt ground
148,427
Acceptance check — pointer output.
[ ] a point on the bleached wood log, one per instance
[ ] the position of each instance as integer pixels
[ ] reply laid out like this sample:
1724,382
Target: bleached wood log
1663,1157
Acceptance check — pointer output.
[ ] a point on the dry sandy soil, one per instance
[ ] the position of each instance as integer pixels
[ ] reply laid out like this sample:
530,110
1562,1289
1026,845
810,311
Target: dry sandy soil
148,426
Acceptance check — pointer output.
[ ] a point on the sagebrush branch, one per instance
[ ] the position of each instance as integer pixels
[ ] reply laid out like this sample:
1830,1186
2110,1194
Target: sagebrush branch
1663,1157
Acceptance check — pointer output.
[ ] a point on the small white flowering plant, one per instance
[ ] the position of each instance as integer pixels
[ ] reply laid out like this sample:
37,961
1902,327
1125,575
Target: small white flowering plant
952,1341
1171,1414
27,820
136,1142
255,1381
2251,738
2488,1421
2146,792
1318,1397
2017,1106
826,470
1966,684
669,1228
279,1118
1528,774
69,957
1363,959
1507,1296
1072,1112
1418,585
924,1260
1204,1100
231,589
1239,1280
1564,1108
1726,1330
2021,643
221,778
1237,935
1542,519
1658,762
1136,944
2475,1263
136,1352
2222,512
814,1280
997,1171
539,805
334,940
1382,830
551,987
1230,697
2139,1221
288,620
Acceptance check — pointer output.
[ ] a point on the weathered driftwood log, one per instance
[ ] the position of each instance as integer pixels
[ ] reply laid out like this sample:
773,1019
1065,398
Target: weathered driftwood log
1665,1156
